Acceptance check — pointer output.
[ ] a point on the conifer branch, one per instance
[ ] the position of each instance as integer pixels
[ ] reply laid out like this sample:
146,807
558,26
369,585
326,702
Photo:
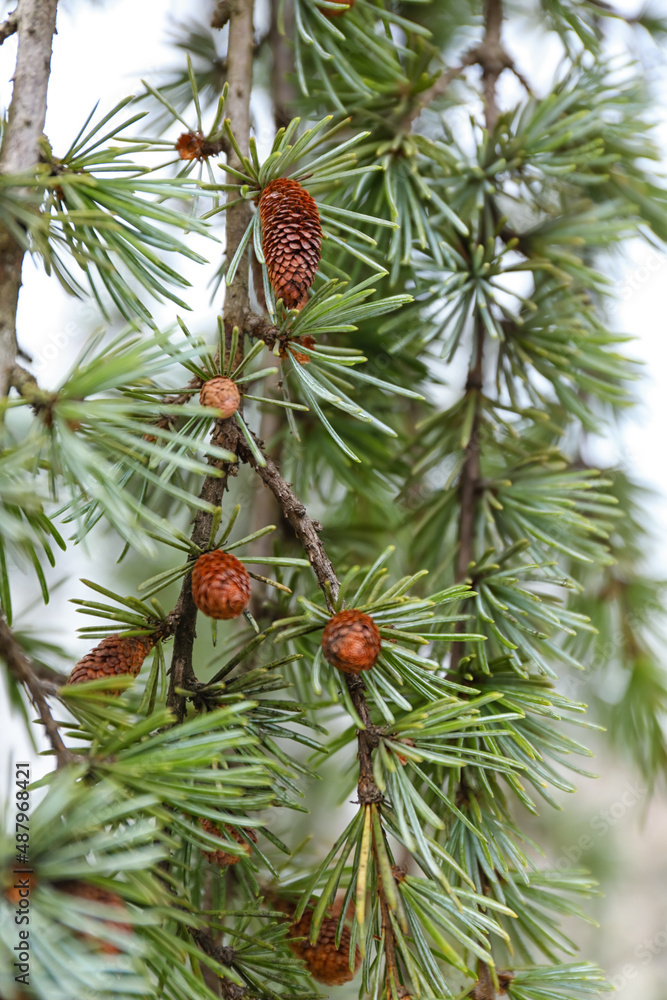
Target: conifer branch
9,26
492,67
493,59
306,529
307,532
492,63
240,68
26,673
36,24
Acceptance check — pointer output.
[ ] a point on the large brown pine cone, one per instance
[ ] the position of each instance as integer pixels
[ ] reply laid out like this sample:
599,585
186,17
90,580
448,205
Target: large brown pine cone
220,585
222,393
351,641
326,963
292,238
115,655
222,857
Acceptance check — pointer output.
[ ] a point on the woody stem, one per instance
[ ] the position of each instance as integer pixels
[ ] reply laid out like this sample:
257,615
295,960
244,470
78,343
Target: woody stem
239,66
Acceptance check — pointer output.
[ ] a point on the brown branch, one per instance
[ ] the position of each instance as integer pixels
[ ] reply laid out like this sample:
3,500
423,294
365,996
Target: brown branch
225,956
236,307
493,59
484,988
9,27
26,673
222,13
469,482
36,24
306,529
438,88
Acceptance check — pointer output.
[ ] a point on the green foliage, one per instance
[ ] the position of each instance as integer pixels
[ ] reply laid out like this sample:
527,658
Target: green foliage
450,241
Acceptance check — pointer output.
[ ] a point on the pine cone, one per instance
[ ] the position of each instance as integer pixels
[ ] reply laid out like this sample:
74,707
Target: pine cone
115,655
85,890
326,963
220,585
351,641
193,146
222,393
222,858
292,239
328,12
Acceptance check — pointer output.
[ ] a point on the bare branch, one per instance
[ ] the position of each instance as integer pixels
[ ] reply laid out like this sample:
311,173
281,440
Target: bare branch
36,24
9,27
493,59
222,13
239,66
306,529
470,477
438,88
26,673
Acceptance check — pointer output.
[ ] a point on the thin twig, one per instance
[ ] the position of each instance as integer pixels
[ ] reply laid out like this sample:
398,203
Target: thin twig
493,60
239,65
222,13
9,27
26,672
469,480
438,88
306,529
490,55
36,23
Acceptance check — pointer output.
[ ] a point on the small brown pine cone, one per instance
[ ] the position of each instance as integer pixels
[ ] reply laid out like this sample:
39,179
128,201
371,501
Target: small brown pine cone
328,12
189,145
351,641
115,655
292,238
326,963
222,858
194,146
220,585
85,890
221,393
